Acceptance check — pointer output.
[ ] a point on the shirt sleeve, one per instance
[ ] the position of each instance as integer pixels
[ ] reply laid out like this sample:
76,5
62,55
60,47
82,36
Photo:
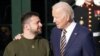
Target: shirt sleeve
89,46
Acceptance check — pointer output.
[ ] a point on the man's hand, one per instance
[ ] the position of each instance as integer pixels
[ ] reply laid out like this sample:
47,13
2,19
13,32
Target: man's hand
17,37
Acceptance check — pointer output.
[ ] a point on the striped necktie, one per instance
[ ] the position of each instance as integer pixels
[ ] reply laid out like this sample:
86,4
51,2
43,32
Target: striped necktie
63,42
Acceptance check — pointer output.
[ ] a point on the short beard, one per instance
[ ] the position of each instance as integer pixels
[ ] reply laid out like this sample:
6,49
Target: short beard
39,32
36,32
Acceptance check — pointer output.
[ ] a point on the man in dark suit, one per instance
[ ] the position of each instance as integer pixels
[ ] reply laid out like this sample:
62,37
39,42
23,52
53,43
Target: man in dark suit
77,41
87,13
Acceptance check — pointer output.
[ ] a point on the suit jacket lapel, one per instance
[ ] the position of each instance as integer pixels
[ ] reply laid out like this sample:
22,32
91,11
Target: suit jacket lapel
72,38
58,35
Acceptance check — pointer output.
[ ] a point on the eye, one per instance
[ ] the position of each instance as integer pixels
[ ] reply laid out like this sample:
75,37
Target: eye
38,22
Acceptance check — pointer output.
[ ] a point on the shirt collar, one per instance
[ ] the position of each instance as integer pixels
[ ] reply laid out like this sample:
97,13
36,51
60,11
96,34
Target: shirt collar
71,27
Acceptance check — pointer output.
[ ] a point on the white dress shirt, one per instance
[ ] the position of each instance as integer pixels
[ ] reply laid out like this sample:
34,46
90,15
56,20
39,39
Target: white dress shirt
69,30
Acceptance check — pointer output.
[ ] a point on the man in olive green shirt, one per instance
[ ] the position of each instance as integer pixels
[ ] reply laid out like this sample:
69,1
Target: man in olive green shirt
30,44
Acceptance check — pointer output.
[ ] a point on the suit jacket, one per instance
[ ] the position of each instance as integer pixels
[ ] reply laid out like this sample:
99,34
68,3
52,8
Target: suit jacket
80,43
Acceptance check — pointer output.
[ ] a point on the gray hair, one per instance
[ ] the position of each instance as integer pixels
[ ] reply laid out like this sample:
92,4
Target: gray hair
66,8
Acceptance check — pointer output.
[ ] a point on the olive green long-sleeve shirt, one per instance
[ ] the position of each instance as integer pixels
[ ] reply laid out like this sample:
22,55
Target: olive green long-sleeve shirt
27,47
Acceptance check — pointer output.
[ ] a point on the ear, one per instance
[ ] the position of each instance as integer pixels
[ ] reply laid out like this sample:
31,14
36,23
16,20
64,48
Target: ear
26,26
67,18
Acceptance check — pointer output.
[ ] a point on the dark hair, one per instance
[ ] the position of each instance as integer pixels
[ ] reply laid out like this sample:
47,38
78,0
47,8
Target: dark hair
27,15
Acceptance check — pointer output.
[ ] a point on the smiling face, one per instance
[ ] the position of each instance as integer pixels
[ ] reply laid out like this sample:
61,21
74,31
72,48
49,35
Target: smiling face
35,25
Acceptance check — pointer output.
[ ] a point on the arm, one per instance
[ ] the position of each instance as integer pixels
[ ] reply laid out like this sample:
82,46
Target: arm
9,51
88,45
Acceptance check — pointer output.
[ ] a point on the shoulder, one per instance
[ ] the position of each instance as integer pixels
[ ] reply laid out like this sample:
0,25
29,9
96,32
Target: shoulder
77,7
82,29
13,44
11,47
84,33
74,7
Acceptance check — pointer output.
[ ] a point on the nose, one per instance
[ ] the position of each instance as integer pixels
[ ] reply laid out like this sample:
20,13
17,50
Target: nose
40,24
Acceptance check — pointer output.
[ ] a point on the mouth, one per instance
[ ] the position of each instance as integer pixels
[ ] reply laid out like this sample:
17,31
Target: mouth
39,28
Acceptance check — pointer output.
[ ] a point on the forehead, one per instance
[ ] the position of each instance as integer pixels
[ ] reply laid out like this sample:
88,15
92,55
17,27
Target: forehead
58,12
35,18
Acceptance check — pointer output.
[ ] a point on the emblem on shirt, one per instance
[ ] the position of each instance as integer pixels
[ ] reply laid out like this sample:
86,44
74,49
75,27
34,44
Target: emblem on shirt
33,46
